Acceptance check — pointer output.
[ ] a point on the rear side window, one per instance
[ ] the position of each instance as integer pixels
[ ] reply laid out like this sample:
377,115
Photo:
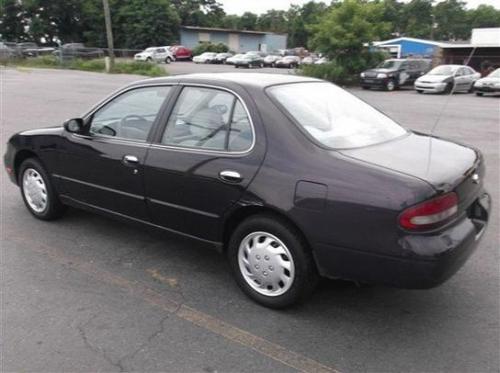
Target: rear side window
334,117
209,119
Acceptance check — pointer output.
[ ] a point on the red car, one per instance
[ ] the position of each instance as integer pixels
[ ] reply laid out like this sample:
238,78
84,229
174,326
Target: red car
181,52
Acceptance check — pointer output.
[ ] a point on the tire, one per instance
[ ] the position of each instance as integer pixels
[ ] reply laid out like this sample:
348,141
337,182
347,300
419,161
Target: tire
236,66
390,85
32,171
448,88
479,94
365,87
168,60
301,273
420,91
249,66
261,65
149,59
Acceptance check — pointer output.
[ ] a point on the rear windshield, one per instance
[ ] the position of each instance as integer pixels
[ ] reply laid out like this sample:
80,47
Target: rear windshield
334,117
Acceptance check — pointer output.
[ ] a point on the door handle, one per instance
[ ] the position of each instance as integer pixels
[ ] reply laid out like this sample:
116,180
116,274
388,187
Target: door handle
131,160
230,176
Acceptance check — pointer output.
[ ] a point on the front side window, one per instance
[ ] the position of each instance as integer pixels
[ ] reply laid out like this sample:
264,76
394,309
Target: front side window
130,115
210,119
334,117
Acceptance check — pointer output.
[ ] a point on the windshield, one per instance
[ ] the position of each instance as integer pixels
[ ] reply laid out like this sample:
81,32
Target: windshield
494,74
334,117
443,70
389,64
152,49
208,54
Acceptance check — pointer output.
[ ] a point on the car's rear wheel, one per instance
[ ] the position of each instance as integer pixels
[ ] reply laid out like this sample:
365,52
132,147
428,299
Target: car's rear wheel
38,192
479,93
365,87
271,261
448,88
168,60
420,91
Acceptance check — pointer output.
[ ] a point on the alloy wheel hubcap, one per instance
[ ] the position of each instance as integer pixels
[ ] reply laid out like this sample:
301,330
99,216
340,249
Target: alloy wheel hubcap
266,264
35,190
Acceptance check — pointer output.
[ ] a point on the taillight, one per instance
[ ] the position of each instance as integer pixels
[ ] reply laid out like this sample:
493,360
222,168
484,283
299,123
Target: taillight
430,214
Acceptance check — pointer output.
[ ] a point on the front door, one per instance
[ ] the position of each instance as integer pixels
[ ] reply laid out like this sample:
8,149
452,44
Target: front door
103,167
202,163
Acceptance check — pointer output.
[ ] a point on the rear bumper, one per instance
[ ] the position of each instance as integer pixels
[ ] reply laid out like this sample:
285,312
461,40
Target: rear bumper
425,262
8,161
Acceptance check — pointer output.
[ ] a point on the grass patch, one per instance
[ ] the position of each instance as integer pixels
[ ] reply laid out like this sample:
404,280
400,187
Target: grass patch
95,65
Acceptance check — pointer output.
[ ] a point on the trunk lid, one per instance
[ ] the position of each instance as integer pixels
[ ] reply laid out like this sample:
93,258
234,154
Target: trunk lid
445,165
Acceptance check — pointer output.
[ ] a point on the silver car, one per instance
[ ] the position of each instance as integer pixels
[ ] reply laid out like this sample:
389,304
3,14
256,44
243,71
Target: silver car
488,84
447,78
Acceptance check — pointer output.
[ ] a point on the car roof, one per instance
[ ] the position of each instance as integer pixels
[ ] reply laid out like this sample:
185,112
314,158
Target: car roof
258,80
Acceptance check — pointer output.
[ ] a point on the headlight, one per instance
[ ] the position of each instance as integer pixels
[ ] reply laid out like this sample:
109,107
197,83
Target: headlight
497,85
381,76
362,75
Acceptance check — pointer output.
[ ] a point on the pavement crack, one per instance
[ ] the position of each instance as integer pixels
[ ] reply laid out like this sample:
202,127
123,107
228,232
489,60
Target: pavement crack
96,350
130,356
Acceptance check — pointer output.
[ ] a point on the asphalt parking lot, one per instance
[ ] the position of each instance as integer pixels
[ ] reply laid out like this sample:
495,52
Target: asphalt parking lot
86,293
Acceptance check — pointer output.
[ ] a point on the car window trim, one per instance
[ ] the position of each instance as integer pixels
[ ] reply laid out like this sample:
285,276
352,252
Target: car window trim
156,143
89,115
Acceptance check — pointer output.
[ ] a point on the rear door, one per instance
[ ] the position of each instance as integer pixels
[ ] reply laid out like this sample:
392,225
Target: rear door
203,161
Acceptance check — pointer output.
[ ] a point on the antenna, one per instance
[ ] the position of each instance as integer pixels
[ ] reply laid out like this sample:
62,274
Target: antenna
445,105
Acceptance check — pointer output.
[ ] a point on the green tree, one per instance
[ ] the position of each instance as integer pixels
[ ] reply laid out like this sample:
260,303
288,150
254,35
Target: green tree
248,21
450,19
13,21
273,20
417,19
345,29
483,16
142,23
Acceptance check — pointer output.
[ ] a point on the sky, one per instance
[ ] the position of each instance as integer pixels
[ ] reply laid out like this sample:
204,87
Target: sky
261,6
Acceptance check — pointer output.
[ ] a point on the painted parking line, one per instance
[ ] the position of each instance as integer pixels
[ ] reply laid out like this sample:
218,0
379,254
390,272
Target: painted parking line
196,317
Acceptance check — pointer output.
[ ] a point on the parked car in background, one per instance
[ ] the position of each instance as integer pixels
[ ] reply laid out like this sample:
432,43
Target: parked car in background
309,60
249,60
155,54
321,61
270,60
448,78
394,73
288,61
222,57
257,53
231,60
7,52
290,177
30,49
180,52
488,84
207,57
78,50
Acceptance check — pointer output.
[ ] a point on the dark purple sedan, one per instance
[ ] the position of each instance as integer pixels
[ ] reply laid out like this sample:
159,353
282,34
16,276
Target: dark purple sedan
292,178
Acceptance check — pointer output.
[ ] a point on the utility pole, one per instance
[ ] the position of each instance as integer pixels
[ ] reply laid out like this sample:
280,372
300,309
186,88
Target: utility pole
109,33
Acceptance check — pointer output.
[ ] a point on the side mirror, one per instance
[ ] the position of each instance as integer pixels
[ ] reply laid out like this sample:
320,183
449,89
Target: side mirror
74,125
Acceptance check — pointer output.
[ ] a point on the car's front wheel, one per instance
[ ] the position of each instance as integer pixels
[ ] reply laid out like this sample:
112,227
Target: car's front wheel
271,261
390,85
479,93
38,192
